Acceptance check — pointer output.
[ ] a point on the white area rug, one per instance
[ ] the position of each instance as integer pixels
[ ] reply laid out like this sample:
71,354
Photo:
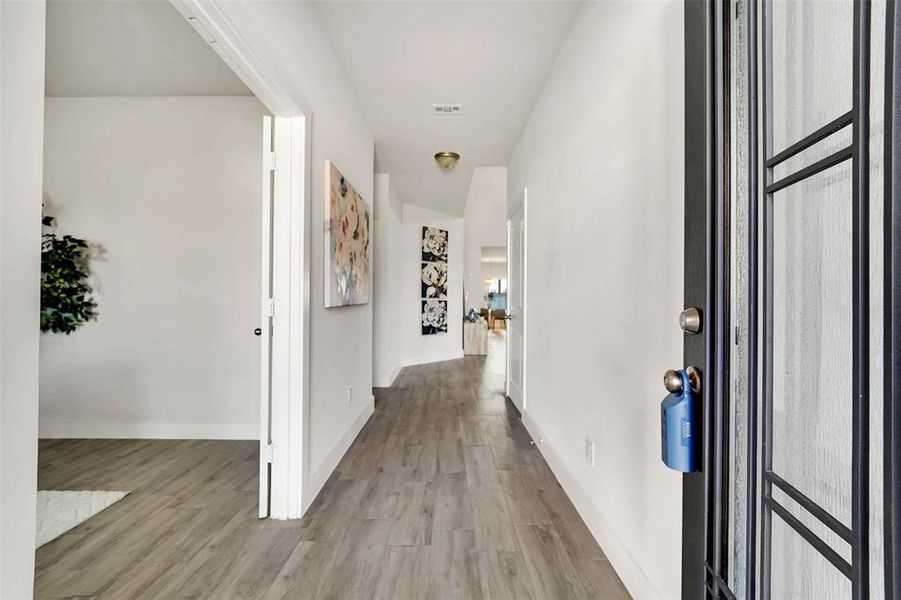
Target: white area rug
58,512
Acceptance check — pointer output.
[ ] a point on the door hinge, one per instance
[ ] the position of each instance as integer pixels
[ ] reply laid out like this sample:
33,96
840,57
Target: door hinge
273,162
269,450
269,308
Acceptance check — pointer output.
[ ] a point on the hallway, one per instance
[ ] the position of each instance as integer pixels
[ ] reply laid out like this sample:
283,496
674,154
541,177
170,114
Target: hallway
441,496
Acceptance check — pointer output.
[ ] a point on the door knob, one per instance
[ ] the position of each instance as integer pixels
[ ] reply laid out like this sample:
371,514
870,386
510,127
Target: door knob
258,331
673,382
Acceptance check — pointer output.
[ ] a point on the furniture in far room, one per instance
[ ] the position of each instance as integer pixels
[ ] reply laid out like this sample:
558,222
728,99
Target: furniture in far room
497,318
475,337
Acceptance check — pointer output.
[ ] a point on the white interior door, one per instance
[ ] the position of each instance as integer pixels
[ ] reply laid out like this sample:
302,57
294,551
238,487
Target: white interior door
265,329
289,310
516,304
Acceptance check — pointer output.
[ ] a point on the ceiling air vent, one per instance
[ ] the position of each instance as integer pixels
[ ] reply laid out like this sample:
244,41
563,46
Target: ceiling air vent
447,109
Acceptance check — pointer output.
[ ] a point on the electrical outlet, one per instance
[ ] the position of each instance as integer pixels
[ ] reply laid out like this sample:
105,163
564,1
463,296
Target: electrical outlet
589,450
350,394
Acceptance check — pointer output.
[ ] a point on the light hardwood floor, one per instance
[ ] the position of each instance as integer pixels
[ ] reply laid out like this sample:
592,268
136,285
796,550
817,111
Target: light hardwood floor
441,496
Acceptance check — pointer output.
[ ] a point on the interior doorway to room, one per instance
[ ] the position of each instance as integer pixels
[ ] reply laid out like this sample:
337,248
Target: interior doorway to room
494,308
494,287
157,239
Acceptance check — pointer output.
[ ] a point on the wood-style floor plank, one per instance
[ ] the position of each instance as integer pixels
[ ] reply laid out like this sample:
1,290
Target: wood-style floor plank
552,570
303,574
358,566
505,576
454,567
405,575
441,496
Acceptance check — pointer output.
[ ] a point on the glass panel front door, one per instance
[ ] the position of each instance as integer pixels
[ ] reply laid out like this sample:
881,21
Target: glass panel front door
800,502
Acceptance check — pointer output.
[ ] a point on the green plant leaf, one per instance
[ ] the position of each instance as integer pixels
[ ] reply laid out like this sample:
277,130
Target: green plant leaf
66,303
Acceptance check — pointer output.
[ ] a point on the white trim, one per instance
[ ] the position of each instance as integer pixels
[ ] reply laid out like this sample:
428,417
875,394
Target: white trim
298,309
93,428
424,360
235,52
281,325
386,382
507,337
290,260
334,456
522,316
291,256
622,561
525,295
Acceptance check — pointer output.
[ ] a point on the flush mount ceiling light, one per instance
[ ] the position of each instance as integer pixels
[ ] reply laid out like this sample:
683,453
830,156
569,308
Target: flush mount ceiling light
447,160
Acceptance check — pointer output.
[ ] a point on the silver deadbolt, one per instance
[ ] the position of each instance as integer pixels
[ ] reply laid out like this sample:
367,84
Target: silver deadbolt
673,382
690,320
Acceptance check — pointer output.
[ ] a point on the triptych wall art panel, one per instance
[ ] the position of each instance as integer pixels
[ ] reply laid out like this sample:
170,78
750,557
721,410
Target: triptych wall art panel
433,280
347,224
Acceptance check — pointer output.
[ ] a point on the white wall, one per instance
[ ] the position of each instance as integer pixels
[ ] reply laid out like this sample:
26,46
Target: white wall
168,188
21,122
288,40
397,328
388,291
493,270
484,224
602,158
418,348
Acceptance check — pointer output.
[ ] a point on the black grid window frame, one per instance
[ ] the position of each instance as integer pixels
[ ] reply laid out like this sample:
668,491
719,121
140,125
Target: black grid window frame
857,570
760,194
892,306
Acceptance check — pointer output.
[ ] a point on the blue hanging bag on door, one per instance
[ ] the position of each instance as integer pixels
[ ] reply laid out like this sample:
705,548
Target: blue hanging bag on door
677,428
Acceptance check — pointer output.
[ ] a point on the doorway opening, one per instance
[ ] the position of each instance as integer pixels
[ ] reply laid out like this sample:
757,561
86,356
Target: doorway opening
150,367
493,309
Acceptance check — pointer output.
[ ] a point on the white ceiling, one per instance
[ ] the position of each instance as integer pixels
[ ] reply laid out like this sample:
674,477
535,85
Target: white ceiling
402,57
130,48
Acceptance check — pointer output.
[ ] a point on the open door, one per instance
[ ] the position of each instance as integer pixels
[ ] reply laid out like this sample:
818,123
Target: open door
284,314
265,330
787,254
516,303
285,261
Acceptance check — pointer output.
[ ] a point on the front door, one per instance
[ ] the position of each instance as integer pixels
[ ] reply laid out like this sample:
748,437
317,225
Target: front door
785,255
516,314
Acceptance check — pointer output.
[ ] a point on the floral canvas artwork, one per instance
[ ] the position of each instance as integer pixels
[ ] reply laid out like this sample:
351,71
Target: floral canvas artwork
434,245
347,256
434,317
433,280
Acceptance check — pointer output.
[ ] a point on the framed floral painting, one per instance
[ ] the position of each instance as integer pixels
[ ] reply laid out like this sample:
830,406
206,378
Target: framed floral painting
433,280
434,245
347,235
434,317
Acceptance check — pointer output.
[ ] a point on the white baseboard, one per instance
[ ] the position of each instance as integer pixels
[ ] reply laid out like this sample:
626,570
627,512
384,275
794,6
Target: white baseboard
622,561
97,429
386,382
424,360
318,478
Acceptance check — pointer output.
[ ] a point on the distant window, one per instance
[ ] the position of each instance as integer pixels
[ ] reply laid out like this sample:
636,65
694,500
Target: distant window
496,286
